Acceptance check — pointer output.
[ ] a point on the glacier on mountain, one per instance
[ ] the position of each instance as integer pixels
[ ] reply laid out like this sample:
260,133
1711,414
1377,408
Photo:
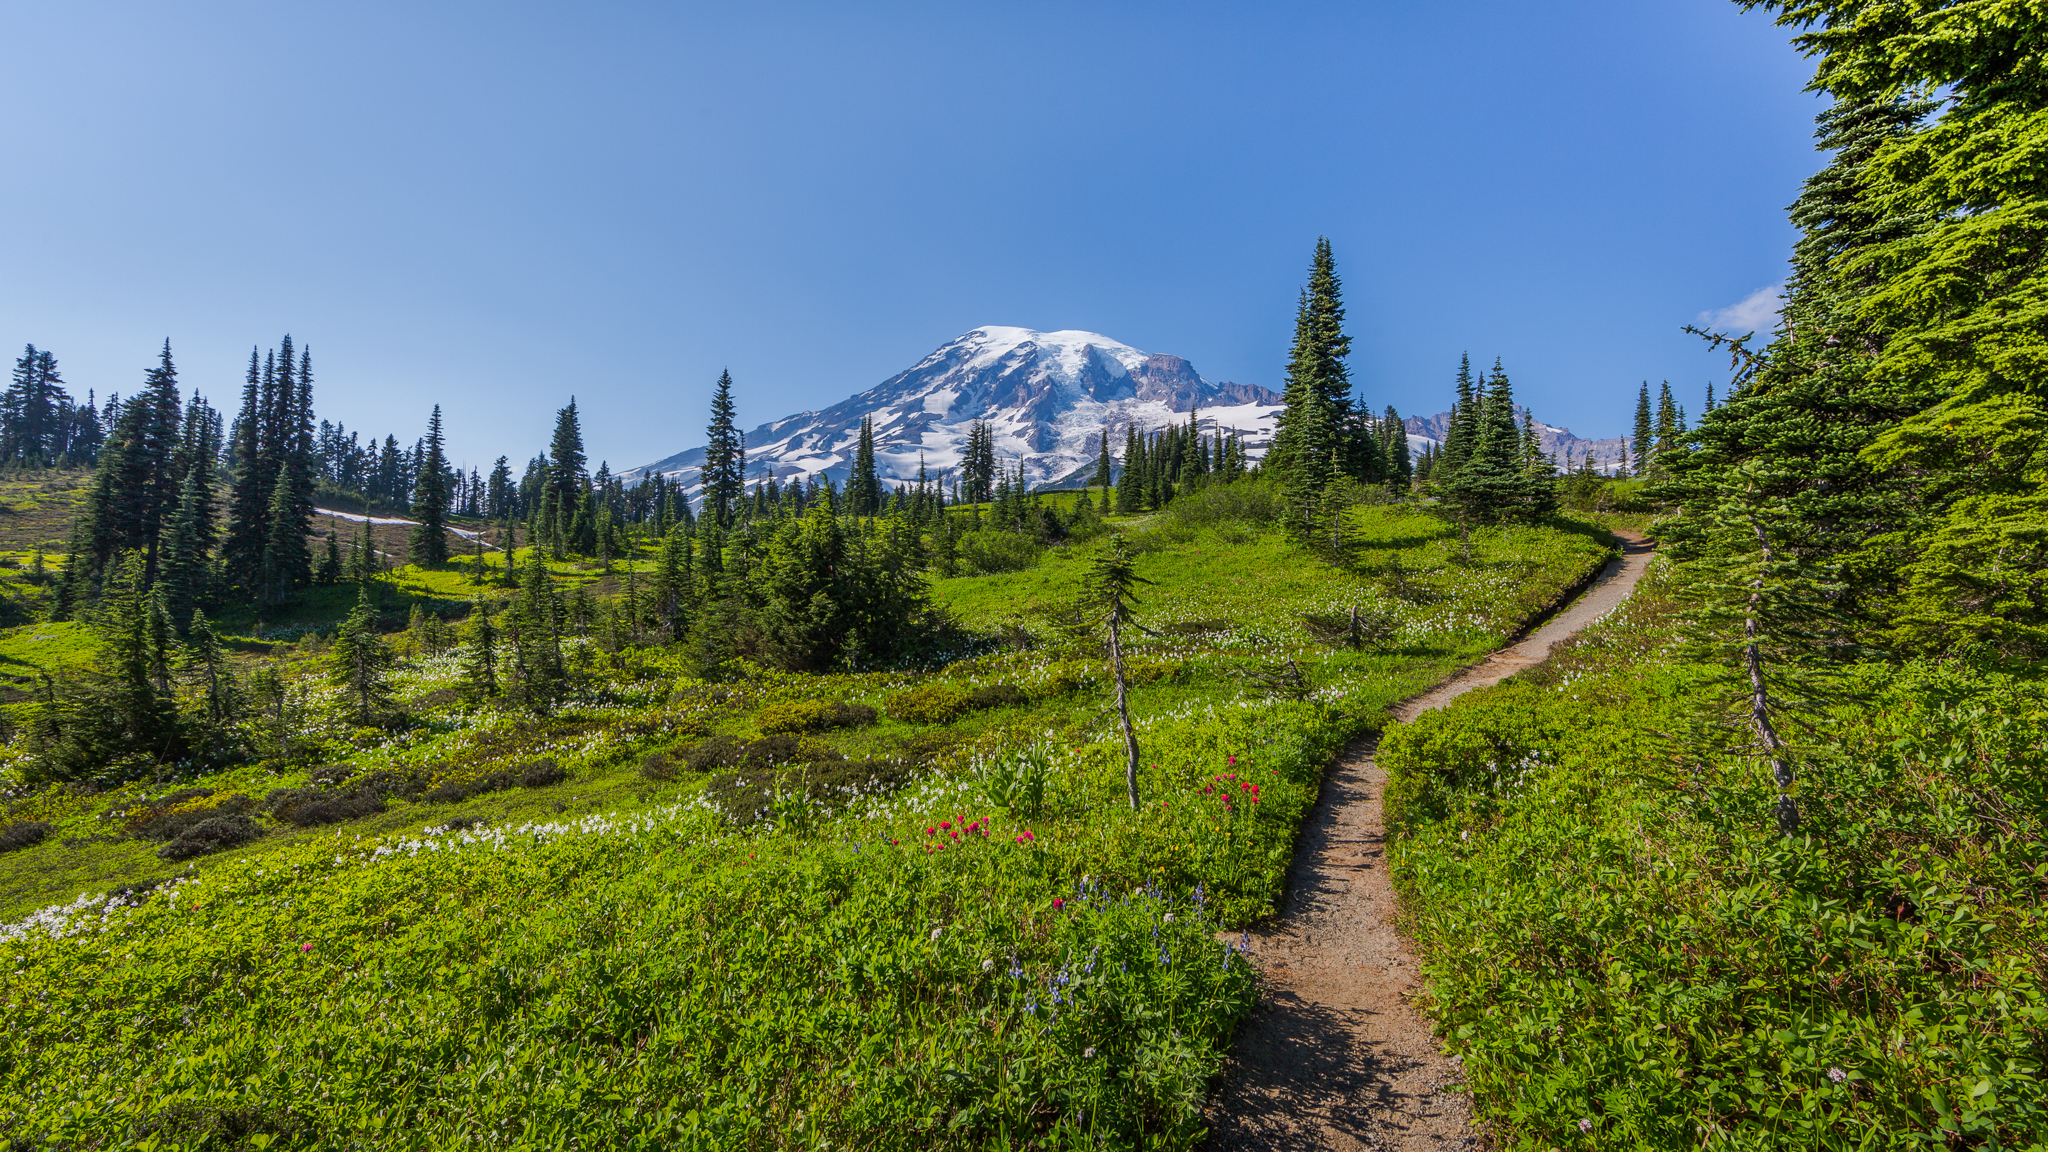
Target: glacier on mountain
1048,396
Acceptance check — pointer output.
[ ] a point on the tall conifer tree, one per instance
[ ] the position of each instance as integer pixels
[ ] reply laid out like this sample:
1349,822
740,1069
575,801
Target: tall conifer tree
864,487
723,457
429,546
1310,441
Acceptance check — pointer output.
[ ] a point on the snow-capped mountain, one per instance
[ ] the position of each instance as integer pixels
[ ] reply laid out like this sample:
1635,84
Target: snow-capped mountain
1048,396
1568,450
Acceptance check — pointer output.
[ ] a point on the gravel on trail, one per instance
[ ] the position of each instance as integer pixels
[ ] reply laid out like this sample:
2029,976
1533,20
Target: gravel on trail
1336,1056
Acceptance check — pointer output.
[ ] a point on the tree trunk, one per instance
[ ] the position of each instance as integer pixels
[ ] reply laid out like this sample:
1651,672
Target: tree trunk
1123,710
1760,699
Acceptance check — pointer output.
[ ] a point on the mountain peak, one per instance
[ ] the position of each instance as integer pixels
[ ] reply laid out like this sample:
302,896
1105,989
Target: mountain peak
1048,395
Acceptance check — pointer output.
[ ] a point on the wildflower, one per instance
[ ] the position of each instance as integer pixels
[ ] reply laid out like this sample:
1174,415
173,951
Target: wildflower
1016,970
931,831
1585,1125
937,931
945,825
1233,759
1088,1053
987,965
1837,1075
305,947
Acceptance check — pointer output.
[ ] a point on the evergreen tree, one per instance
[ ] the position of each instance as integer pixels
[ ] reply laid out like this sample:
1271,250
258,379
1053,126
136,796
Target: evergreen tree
366,565
123,712
429,546
299,465
978,466
1105,471
186,563
501,497
1668,426
1130,495
135,490
724,457
1462,434
218,697
1645,433
287,563
480,668
1111,592
674,585
805,622
533,628
330,568
360,661
864,487
1494,482
1401,466
566,462
35,413
1310,441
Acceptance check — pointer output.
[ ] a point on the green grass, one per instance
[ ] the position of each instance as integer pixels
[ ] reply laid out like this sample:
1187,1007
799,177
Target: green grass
1626,954
621,958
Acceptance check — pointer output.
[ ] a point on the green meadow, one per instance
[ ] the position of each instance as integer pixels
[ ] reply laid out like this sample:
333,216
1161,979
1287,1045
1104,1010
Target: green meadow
873,909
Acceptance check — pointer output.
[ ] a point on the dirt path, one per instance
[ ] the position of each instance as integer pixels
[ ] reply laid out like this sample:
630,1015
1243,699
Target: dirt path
1335,1056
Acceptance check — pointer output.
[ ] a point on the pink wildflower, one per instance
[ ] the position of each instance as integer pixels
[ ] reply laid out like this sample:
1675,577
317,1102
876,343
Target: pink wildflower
1058,903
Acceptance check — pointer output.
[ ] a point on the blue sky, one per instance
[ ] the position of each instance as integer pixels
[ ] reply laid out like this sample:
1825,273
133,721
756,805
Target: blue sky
493,206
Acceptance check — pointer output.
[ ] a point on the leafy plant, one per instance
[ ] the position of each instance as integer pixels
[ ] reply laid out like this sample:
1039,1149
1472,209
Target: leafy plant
1015,781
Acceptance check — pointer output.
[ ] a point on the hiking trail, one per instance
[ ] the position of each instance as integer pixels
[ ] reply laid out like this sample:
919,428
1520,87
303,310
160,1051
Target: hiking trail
1335,1056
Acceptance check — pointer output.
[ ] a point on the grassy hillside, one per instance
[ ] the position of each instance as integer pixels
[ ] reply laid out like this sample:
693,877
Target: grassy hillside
881,909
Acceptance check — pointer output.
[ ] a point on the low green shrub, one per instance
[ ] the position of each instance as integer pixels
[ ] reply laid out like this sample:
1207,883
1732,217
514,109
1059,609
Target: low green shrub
167,821
24,834
310,807
997,696
213,834
715,753
933,703
811,716
939,702
539,774
658,766
1248,502
989,552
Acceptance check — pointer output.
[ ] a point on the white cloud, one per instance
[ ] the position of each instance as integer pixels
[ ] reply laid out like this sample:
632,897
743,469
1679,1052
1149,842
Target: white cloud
1756,312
